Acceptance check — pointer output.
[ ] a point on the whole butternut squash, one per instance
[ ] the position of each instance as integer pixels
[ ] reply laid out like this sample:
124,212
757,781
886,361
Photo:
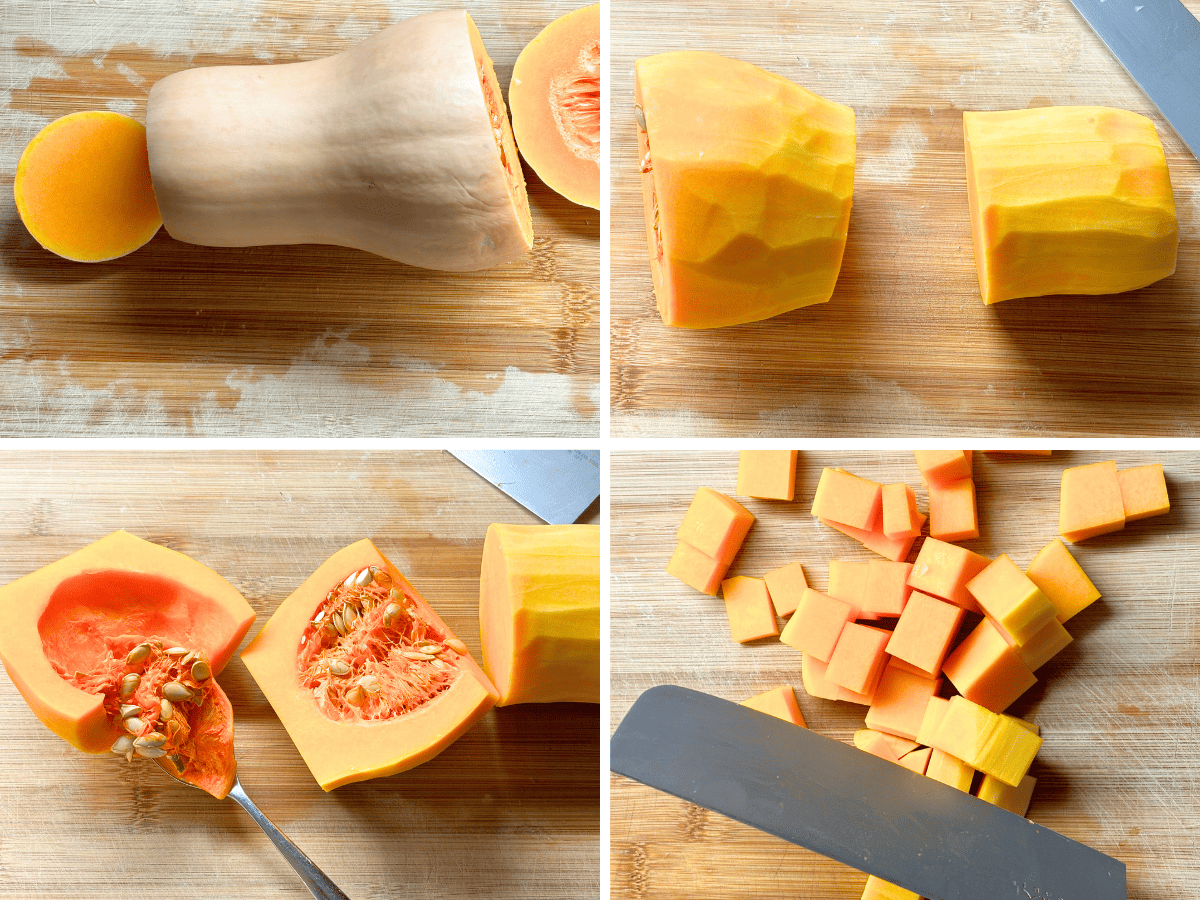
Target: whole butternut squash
399,146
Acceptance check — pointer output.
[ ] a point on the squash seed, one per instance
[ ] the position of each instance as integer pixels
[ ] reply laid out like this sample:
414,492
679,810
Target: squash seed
166,710
319,618
349,582
151,741
123,744
415,654
393,595
129,684
456,645
130,709
138,654
390,612
150,752
201,671
356,695
133,725
382,578
364,578
349,614
338,624
329,629
176,692
339,668
178,652
189,659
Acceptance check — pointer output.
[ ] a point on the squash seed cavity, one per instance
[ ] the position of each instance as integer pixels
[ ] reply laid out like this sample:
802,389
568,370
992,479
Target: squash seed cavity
575,104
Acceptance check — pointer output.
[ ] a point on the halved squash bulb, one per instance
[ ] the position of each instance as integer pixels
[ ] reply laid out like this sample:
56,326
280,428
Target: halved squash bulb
363,674
116,647
83,187
555,100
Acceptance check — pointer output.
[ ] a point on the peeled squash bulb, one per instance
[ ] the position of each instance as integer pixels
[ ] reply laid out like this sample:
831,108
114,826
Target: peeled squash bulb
539,612
747,182
1068,200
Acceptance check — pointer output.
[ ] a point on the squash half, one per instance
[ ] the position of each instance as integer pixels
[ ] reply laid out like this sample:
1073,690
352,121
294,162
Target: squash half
71,611
352,749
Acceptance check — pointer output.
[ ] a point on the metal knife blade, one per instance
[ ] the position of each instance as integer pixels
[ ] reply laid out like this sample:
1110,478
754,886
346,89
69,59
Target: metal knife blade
555,485
1158,43
849,805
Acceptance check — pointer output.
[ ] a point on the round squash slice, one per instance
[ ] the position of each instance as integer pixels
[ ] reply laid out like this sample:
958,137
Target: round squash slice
116,647
539,612
555,100
83,187
363,674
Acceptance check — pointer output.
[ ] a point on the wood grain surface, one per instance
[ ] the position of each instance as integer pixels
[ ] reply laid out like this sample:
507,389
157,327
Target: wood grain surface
1119,708
177,339
906,346
510,810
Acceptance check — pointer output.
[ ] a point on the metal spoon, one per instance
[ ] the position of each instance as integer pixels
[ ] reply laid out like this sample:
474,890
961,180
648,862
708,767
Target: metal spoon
316,880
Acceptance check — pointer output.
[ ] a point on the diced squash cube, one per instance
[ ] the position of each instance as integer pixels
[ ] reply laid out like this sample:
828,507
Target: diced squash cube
1008,752
1007,596
872,742
858,659
917,760
899,702
986,670
786,586
767,474
949,770
779,702
925,631
1090,501
943,570
964,729
715,525
848,581
952,513
1143,492
1060,578
697,570
908,667
1044,645
748,606
812,670
878,889
901,518
874,541
935,711
817,624
943,465
887,589
1014,799
848,499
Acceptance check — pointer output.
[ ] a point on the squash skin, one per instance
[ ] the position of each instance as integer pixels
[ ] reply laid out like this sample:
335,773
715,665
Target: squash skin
539,612
560,49
30,605
750,178
386,147
339,753
1068,200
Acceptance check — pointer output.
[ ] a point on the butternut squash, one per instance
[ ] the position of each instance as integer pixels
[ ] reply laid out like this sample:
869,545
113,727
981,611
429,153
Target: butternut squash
1068,200
747,182
399,146
539,612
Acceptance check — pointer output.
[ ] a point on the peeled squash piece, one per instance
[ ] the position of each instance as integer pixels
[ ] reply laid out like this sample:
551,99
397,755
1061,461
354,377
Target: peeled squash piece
747,182
399,146
555,100
1068,200
539,612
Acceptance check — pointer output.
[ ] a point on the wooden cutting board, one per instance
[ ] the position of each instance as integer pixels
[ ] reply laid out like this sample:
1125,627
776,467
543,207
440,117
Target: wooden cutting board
1119,708
177,339
512,809
906,346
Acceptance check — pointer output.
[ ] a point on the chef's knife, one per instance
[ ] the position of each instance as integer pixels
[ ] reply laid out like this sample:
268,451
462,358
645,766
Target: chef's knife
556,485
1158,43
856,808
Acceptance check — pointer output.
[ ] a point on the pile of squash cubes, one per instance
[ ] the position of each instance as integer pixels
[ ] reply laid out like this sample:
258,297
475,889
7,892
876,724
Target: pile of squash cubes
897,672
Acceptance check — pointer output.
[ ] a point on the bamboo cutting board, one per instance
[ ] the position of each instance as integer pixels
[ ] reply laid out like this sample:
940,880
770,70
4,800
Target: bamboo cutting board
906,346
1119,707
510,810
177,339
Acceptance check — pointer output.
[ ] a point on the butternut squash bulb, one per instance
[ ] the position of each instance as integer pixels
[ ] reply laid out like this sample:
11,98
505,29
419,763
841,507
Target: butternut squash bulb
1068,200
539,612
399,146
747,183
555,99
363,674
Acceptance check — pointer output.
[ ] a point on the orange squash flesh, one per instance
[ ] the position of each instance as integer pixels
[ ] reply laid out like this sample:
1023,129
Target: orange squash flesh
555,101
83,187
70,625
342,742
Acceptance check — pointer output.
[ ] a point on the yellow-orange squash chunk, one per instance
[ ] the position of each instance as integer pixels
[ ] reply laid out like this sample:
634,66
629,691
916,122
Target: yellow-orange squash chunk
554,97
539,612
1068,200
83,187
747,181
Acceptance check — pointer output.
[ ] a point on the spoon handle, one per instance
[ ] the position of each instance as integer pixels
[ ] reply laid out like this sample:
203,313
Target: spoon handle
316,880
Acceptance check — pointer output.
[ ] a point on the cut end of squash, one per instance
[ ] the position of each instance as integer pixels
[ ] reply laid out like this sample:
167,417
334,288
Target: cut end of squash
555,100
83,187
